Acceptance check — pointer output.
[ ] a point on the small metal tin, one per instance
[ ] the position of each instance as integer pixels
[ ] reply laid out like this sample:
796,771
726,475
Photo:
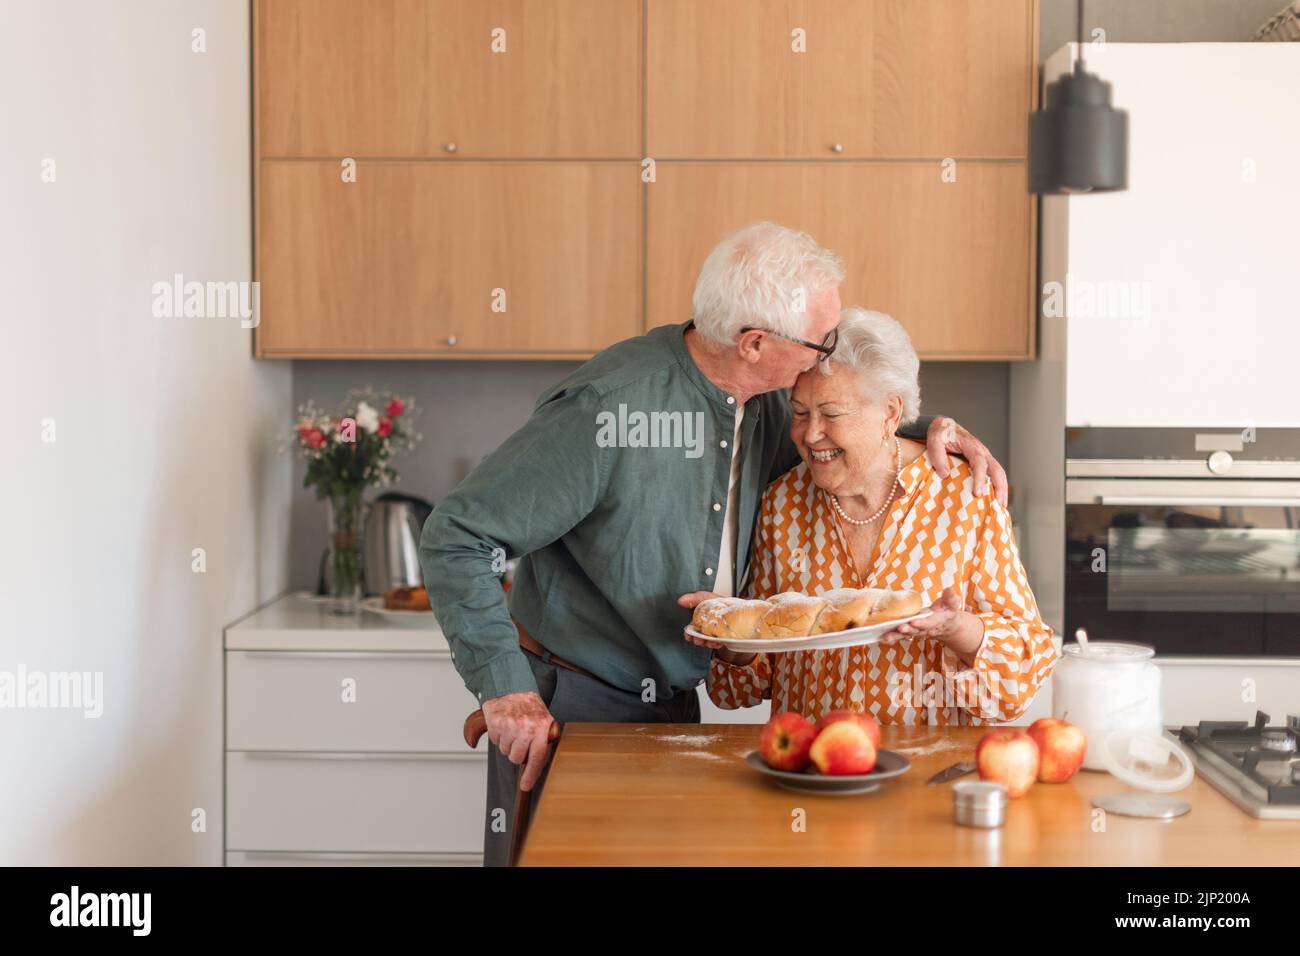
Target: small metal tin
979,803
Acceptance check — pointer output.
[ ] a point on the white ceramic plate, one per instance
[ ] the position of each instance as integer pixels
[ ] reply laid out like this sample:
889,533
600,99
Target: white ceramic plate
851,638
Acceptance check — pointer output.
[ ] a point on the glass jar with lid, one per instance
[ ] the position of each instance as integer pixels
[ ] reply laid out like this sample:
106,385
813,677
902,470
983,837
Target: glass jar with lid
1102,687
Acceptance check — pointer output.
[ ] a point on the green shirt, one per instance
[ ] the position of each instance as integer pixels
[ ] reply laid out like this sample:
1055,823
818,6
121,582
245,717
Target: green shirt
607,495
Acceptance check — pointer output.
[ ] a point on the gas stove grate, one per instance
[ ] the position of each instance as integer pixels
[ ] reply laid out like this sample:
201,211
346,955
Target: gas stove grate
1236,745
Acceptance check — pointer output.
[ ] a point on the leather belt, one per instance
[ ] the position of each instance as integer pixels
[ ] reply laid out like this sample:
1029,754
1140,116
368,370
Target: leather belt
534,646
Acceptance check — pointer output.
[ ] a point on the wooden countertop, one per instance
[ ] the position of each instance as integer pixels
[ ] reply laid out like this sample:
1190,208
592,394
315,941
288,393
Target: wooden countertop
681,794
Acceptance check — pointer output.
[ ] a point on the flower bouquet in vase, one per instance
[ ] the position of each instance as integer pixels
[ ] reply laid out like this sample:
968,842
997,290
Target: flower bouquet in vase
346,454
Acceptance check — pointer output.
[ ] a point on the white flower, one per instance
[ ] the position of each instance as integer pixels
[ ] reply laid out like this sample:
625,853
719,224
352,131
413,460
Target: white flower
367,417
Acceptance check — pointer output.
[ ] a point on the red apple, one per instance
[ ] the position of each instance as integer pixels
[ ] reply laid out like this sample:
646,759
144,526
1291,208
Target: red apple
867,722
1061,747
844,747
785,742
1008,757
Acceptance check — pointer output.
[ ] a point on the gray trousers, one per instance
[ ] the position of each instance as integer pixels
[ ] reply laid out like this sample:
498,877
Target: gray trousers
569,696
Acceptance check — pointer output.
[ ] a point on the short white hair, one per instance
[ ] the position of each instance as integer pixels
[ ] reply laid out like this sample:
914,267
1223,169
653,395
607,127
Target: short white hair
763,275
880,351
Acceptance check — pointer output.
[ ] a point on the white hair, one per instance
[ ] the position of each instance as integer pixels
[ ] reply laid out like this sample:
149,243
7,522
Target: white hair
763,275
880,351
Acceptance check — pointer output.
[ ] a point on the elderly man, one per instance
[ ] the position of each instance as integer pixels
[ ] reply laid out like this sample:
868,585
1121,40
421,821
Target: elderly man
637,479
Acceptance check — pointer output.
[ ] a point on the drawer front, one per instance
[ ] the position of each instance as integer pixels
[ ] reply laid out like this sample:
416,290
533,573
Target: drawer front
261,858
298,700
355,803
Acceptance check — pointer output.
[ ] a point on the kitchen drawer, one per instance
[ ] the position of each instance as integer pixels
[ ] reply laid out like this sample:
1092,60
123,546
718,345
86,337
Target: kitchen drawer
293,700
355,802
275,858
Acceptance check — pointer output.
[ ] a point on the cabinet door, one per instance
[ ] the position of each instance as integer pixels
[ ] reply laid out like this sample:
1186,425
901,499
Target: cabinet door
289,700
949,260
355,802
953,77
721,78
499,78
476,260
839,78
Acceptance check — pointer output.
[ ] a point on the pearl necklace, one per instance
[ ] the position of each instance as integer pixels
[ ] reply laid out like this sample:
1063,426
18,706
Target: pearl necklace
893,489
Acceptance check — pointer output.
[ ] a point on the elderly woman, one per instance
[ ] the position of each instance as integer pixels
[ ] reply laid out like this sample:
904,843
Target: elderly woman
866,509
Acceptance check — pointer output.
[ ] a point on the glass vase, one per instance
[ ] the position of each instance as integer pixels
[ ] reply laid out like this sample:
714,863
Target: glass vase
346,517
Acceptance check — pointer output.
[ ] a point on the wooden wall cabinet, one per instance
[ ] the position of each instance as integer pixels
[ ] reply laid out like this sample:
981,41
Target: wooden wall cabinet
431,259
419,78
750,79
949,260
523,171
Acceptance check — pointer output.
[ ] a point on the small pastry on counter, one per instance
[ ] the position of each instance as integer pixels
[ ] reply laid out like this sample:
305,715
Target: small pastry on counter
407,599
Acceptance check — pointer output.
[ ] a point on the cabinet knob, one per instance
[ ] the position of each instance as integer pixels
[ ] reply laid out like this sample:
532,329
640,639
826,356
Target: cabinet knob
837,147
451,340
450,147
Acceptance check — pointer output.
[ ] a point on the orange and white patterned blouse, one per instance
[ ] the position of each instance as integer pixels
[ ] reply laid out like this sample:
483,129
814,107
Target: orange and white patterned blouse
937,534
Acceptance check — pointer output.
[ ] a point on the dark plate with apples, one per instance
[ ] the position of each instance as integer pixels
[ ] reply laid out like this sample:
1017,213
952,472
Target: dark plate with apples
840,754
888,766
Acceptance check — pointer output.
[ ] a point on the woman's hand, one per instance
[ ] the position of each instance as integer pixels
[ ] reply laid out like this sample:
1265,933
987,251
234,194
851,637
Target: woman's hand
719,650
944,436
948,624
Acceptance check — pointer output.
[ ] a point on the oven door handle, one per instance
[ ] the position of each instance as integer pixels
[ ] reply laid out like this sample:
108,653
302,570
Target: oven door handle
1173,501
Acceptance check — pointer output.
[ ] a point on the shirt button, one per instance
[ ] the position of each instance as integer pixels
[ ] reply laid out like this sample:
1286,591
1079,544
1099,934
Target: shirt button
709,572
723,443
730,400
717,507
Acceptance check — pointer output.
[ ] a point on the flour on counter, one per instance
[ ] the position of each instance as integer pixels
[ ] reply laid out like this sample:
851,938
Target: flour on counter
934,747
692,740
702,754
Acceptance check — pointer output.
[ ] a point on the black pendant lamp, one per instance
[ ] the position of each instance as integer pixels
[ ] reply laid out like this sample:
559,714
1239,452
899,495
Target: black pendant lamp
1078,142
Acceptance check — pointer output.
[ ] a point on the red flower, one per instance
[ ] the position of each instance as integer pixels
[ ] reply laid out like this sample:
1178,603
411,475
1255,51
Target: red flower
393,409
385,427
315,438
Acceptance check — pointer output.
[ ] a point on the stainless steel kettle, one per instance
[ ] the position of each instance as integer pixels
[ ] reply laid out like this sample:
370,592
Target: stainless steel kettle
391,545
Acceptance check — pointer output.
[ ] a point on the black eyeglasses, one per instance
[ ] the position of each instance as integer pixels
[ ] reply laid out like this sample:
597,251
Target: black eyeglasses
827,348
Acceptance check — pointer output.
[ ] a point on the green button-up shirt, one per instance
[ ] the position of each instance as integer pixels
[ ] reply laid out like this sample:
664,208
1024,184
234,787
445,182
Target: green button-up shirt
607,495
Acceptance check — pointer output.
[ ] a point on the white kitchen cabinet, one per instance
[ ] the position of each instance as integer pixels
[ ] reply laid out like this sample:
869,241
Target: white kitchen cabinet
300,801
277,858
343,743
1175,298
292,700
710,713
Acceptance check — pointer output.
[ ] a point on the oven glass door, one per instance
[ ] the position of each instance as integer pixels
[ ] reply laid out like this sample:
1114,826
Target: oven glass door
1192,567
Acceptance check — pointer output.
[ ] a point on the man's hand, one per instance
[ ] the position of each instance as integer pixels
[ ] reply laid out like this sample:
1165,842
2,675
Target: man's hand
519,725
690,601
944,436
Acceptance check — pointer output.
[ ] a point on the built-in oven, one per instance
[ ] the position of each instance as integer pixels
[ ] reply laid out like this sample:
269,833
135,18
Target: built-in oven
1185,539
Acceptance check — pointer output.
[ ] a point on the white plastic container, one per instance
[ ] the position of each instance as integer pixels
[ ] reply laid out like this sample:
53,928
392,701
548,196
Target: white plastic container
1107,686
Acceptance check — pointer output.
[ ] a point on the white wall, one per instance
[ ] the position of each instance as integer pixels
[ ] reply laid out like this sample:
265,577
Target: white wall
165,428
